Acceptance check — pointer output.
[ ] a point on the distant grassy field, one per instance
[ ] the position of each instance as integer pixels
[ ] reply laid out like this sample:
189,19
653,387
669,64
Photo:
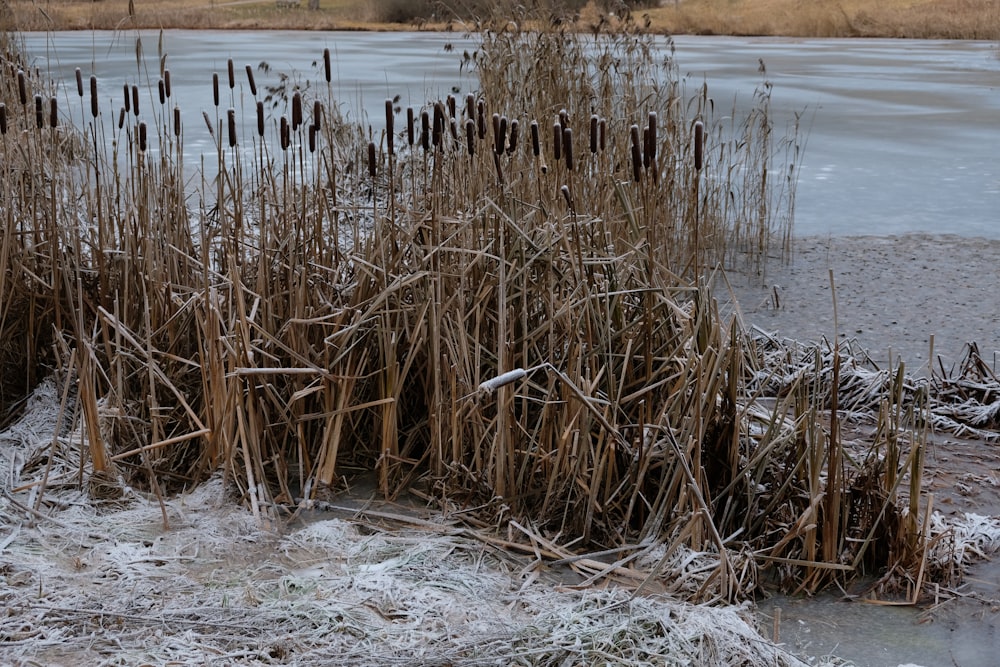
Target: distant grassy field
946,19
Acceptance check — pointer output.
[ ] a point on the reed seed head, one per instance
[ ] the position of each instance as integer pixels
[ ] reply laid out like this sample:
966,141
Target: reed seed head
231,122
93,96
250,80
79,82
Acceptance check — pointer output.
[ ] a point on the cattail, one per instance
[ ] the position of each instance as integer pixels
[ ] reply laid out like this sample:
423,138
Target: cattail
260,119
481,119
564,118
557,141
470,135
231,122
636,154
470,106
389,116
253,84
163,92
232,73
166,82
285,134
53,112
296,110
93,96
491,385
512,146
3,118
409,127
215,88
566,195
699,145
318,115
121,117
326,64
593,133
208,124
371,159
142,137
312,138
22,87
438,124
177,121
453,124
79,82
39,114
652,138
135,100
645,148
602,132
535,144
127,95
451,106
425,131
568,147
498,141
499,168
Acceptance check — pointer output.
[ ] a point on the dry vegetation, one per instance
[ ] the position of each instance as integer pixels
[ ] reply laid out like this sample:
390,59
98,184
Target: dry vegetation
501,297
930,19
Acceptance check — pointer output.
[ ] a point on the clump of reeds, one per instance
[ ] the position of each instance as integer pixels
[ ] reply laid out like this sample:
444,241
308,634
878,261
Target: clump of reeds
523,323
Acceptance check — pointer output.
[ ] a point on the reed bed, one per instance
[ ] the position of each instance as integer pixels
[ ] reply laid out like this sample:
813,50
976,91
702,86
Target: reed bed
502,299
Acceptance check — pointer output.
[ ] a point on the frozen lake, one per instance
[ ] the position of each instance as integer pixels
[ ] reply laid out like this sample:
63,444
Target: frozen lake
901,135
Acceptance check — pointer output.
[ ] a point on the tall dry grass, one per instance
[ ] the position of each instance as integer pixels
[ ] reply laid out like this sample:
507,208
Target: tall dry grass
517,318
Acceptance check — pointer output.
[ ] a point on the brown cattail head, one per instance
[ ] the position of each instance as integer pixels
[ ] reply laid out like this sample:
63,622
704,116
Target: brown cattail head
162,89
566,195
93,96
425,130
512,146
438,124
250,80
215,88
652,137
409,127
121,118
260,119
208,123
593,133
453,124
371,159
79,82
499,168
135,100
127,94
568,147
166,82
3,118
451,106
535,144
497,141
231,122
602,132
470,135
312,138
39,114
22,87
470,106
564,118
296,110
389,126
285,133
142,137
177,121
318,115
699,145
53,112
232,73
636,154
326,65
645,148
557,141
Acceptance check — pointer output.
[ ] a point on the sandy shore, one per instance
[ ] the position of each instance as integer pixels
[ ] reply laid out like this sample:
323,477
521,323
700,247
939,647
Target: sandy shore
893,293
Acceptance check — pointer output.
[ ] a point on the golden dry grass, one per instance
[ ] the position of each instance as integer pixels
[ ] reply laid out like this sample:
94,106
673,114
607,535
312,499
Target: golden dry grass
945,19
